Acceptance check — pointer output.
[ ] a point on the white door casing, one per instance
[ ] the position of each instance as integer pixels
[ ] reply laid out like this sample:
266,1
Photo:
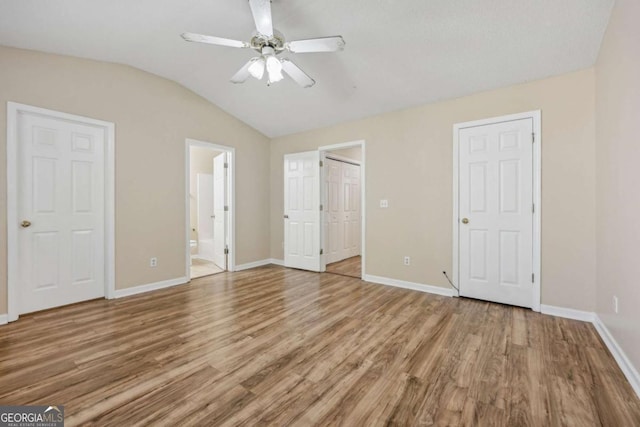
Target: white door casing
495,212
302,211
219,210
61,192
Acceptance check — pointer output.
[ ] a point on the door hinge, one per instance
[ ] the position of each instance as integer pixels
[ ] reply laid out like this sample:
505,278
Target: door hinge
226,165
533,137
226,250
321,208
321,251
533,208
321,163
226,208
533,278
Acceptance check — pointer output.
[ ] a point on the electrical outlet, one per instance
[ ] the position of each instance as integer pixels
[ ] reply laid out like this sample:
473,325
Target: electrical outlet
384,203
407,260
153,262
615,304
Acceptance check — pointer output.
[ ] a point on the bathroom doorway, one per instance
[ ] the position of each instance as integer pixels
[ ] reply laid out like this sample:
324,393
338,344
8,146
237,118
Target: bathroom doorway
209,208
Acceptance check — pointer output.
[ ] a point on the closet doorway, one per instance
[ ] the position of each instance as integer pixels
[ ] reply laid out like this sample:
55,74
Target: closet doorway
342,219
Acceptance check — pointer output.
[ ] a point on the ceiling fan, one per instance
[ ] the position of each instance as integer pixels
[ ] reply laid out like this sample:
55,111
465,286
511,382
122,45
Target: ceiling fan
270,43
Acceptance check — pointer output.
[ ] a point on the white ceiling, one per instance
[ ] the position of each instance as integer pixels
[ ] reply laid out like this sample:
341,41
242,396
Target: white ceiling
399,53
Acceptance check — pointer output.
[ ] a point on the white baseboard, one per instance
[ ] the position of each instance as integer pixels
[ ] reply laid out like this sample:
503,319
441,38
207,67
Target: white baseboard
260,263
410,285
120,293
4,319
568,313
254,264
623,361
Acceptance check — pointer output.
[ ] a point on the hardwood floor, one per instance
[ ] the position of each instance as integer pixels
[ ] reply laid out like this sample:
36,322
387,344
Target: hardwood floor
272,346
347,267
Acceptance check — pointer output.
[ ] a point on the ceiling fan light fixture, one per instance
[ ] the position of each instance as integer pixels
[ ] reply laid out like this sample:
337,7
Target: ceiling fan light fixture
257,68
274,68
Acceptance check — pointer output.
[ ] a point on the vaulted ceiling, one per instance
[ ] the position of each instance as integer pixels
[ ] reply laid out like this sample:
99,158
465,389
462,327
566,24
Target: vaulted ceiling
399,53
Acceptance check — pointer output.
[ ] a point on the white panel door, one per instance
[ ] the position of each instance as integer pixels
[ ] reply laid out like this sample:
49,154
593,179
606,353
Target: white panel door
351,210
302,210
205,215
333,210
495,212
61,209
219,210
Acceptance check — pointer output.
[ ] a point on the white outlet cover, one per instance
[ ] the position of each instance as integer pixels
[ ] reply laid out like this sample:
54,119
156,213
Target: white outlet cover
384,203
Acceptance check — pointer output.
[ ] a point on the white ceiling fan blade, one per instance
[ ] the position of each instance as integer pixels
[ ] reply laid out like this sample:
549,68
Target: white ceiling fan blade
220,41
297,74
261,10
322,44
243,73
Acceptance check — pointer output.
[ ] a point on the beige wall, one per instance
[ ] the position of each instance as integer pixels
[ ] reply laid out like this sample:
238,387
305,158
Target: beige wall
353,153
409,162
153,116
618,176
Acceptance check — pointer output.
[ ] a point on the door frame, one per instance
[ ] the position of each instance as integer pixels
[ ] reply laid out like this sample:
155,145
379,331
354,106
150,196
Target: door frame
363,205
14,109
231,200
536,116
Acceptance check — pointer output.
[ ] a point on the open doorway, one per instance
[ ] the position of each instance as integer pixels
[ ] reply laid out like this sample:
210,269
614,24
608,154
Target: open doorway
324,211
342,214
209,213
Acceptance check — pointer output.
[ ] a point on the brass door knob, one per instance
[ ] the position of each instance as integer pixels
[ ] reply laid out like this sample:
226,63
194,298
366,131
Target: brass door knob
25,224
465,220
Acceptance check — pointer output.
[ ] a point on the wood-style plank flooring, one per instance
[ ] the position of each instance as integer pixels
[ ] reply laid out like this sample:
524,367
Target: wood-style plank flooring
272,346
347,267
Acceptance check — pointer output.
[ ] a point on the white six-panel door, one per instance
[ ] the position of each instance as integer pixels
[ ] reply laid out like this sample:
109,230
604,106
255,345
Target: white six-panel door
219,211
496,212
61,212
350,210
333,211
342,210
302,210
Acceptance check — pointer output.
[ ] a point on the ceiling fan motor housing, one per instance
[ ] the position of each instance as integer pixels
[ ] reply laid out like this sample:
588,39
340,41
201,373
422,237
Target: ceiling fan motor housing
277,42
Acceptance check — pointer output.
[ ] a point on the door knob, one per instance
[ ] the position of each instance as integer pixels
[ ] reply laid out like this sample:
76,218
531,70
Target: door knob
286,217
465,220
25,224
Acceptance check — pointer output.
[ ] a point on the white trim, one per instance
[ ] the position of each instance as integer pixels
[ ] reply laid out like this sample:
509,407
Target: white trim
567,313
4,319
275,261
537,195
430,289
231,189
363,199
13,109
141,289
253,264
619,355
